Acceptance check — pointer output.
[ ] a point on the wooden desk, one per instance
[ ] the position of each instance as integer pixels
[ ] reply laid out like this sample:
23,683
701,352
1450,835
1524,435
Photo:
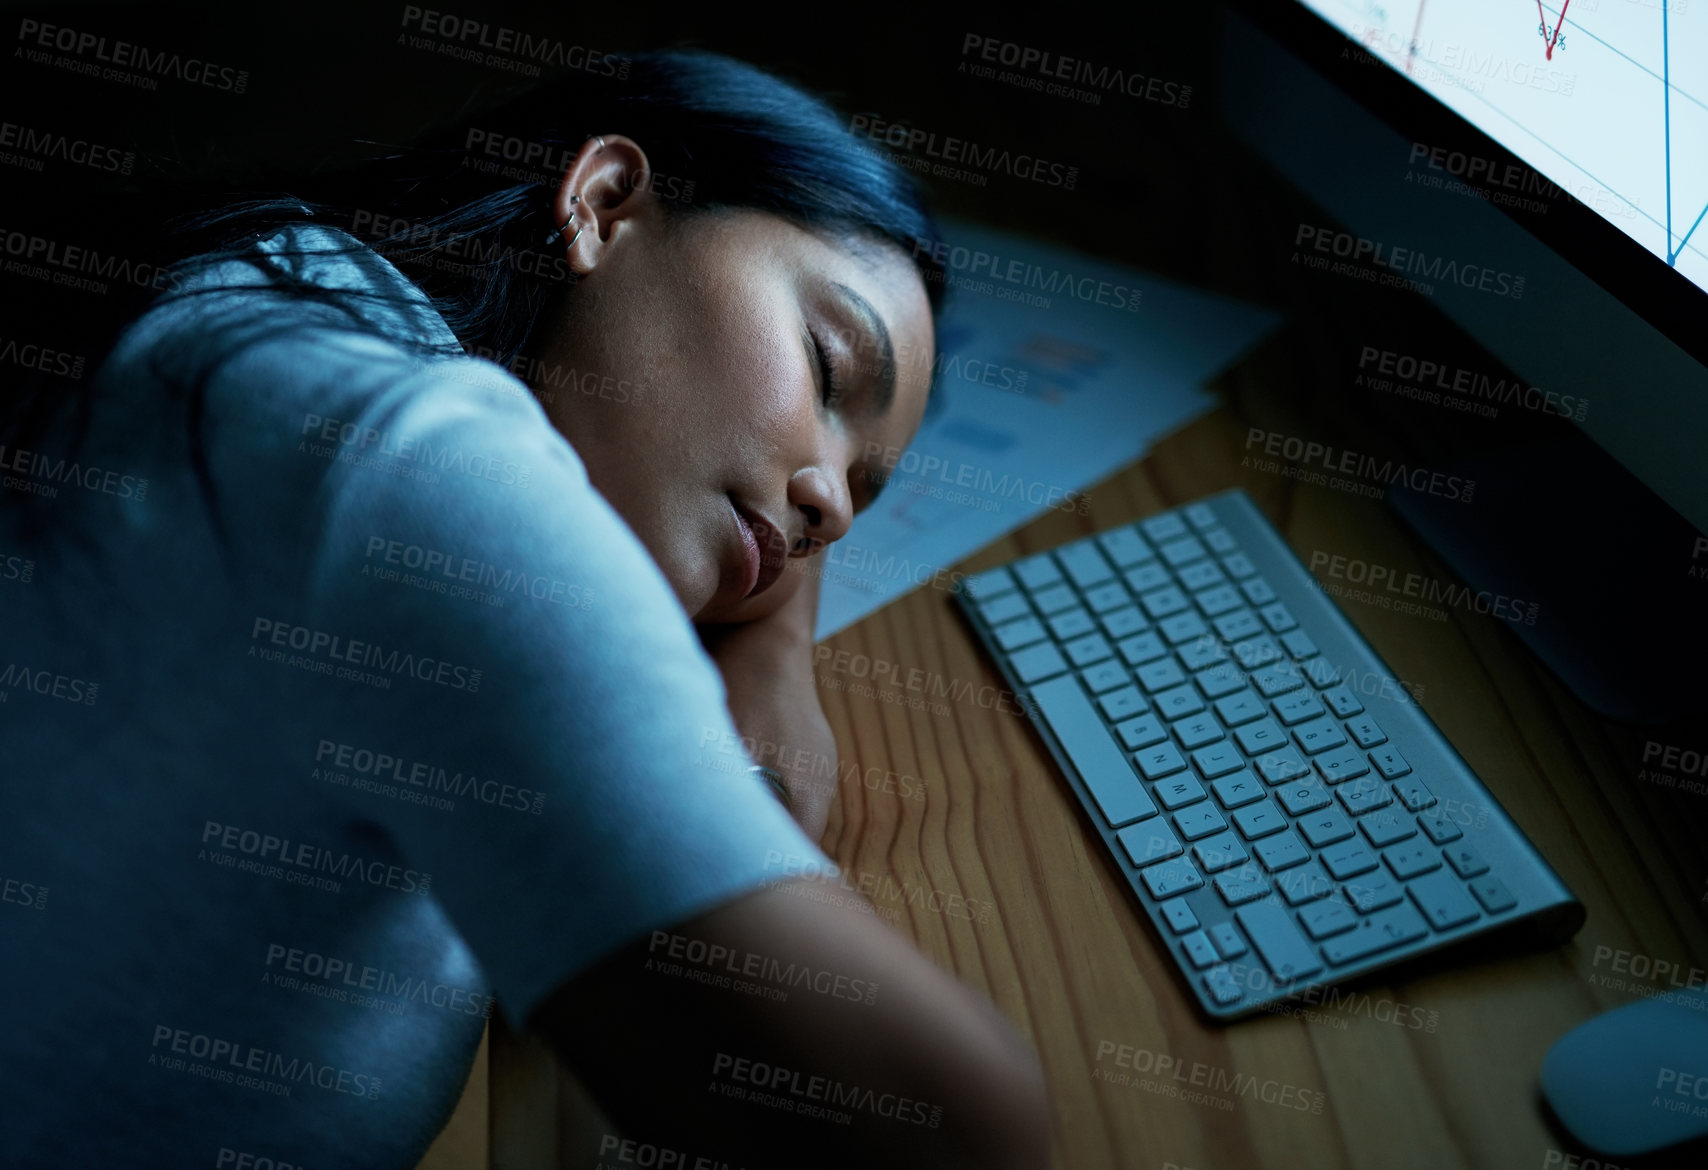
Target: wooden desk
1434,1072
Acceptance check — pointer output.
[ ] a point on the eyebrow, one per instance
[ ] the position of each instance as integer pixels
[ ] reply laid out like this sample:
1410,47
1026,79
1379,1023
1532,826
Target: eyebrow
874,324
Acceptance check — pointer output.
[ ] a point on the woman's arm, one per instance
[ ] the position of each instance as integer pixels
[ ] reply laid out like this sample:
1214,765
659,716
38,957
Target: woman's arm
920,1073
767,668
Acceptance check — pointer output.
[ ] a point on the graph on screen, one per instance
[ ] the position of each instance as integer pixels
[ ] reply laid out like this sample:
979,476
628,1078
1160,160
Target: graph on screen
1607,99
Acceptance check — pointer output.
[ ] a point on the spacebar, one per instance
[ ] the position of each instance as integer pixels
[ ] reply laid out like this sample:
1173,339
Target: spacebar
1113,783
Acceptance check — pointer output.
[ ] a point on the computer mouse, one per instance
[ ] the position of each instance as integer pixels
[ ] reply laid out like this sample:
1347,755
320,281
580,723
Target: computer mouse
1635,1079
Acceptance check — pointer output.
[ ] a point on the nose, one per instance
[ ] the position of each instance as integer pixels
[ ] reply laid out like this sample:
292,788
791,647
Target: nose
826,506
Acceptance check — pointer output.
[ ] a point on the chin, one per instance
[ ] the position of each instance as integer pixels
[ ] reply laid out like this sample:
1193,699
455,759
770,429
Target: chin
769,602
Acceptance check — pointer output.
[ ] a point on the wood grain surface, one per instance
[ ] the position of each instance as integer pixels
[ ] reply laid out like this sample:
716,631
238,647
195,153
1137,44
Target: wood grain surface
995,876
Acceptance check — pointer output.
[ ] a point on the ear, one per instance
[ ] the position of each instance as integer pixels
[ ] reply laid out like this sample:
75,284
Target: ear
606,190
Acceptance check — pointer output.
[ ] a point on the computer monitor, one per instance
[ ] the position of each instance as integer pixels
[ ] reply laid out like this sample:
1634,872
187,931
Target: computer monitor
1543,172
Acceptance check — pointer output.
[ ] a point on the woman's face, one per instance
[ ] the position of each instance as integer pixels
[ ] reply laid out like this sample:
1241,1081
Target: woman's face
700,402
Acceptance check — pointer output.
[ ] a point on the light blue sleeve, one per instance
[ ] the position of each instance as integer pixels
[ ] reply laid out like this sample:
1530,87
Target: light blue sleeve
542,673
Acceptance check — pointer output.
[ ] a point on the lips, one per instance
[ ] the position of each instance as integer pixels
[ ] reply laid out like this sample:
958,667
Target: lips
764,549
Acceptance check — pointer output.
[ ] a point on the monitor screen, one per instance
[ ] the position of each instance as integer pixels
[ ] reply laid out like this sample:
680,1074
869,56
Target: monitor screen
1605,99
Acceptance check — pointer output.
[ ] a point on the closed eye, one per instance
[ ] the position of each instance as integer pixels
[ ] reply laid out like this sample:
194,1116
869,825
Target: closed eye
831,392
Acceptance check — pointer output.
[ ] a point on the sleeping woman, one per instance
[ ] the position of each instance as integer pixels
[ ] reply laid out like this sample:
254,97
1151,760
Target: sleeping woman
367,685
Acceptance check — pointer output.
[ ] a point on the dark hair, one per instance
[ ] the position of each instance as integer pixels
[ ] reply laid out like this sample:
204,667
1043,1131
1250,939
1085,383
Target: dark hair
741,137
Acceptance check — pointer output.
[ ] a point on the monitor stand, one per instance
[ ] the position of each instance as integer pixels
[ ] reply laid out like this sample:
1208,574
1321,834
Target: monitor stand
1619,578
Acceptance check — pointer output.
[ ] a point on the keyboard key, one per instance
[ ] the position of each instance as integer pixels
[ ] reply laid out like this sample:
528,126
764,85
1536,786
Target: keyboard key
1302,797
1276,680
1257,652
1234,626
1220,681
1220,542
1141,648
1070,624
1348,860
1413,794
1165,527
1037,571
1281,766
1258,592
1365,731
1239,565
1263,736
1197,730
1224,990
1326,919
1340,765
1277,617
1200,820
1322,673
1160,675
1217,760
1219,852
1227,938
1389,762
1179,703
1280,851
1055,599
1438,827
1084,564
1342,701
1466,862
1222,599
1037,662
1024,632
1384,827
1198,950
1171,878
1147,577
1149,842
1443,901
1124,622
1284,950
1105,677
1375,934
1494,896
1201,516
1178,915
1373,892
1319,735
1299,644
1160,603
1178,791
1088,650
1107,598
1159,761
1259,820
1360,796
1409,861
1325,828
1200,654
1004,609
1122,704
1237,790
1141,732
1234,710
1183,551
1297,707
1125,547
1246,884
1182,627
1201,576
1303,883
1103,769
981,587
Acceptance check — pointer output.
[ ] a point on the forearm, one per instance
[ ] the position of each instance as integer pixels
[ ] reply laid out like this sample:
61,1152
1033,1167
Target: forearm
767,668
